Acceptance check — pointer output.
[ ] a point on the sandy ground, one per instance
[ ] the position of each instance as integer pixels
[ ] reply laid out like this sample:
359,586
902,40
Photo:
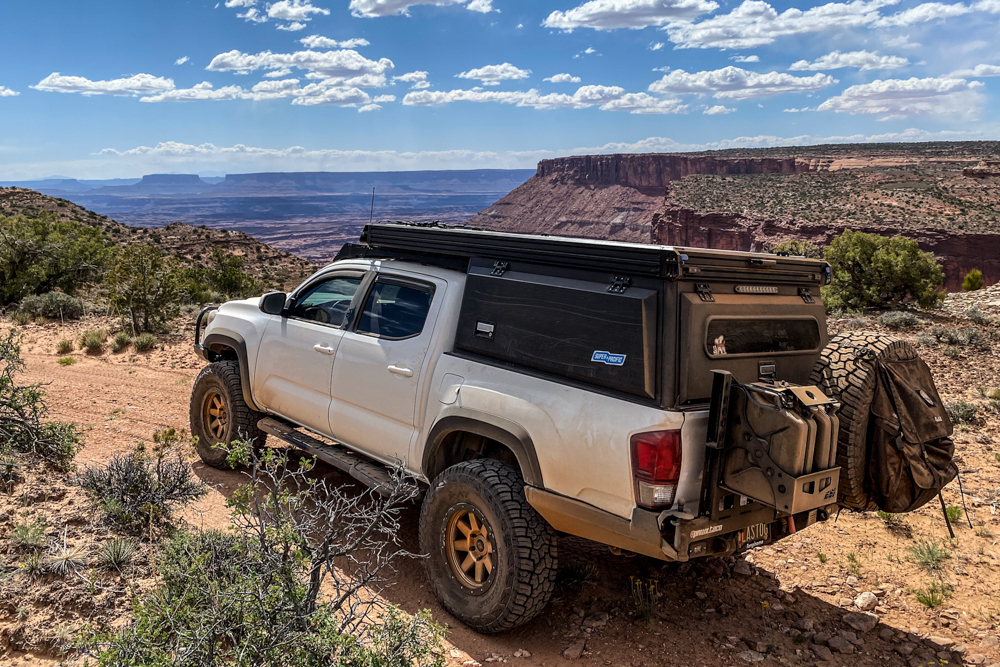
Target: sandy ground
779,608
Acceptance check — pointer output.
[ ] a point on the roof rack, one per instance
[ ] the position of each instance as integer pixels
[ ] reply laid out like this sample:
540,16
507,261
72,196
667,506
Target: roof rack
434,239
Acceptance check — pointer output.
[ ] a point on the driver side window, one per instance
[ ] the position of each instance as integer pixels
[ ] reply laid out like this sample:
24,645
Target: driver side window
328,301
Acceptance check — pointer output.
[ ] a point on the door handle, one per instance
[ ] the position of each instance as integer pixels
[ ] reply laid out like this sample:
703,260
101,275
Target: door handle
319,347
401,370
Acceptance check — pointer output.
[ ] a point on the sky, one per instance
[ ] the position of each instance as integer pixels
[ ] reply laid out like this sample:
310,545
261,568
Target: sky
122,88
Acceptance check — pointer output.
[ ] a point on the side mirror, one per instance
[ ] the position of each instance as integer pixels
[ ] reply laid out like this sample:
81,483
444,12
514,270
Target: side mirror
272,303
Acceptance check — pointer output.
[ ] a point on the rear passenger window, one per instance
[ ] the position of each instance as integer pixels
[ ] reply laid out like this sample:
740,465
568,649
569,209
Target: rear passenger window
761,336
395,311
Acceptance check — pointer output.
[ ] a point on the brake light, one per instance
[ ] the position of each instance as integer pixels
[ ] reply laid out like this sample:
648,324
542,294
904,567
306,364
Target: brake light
656,467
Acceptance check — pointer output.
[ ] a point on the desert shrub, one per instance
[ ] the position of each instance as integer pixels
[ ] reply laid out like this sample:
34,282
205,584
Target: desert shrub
64,347
121,341
977,316
38,255
925,339
116,553
140,487
29,535
962,412
63,560
934,595
872,271
899,319
973,337
145,342
144,287
929,555
252,596
23,431
952,352
798,248
954,513
973,281
67,361
54,305
93,340
21,318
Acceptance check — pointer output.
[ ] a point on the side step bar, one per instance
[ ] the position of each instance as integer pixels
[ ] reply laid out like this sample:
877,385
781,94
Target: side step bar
369,474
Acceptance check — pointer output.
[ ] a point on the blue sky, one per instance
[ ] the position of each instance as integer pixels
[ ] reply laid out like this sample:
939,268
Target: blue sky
119,88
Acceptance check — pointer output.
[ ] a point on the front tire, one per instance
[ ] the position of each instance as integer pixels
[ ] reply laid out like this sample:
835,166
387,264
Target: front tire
491,559
219,414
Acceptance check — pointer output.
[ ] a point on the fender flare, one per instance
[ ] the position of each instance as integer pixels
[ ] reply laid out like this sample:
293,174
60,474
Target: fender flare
506,432
235,342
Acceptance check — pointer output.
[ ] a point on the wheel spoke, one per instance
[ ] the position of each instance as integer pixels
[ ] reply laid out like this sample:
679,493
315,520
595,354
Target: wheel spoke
466,530
472,521
461,545
487,561
479,572
468,563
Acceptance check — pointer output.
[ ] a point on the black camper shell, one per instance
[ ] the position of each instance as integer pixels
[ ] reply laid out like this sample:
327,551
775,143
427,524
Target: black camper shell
645,323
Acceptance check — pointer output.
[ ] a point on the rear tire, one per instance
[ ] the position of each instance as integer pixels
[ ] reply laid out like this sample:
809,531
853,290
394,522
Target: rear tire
491,559
845,372
219,413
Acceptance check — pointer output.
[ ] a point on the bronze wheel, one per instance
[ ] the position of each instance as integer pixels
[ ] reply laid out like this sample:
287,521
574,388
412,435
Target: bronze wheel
470,548
215,415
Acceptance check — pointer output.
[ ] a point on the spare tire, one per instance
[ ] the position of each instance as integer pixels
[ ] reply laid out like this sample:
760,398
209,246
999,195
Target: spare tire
845,372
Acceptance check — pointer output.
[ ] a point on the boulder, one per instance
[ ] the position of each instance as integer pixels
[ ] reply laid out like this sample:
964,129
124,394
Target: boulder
861,621
866,601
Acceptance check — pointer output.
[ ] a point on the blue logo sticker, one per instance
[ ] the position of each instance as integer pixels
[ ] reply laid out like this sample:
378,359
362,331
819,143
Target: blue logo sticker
608,358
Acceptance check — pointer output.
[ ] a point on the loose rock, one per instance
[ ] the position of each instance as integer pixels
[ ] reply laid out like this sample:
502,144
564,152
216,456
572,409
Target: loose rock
822,652
866,601
861,621
574,651
840,645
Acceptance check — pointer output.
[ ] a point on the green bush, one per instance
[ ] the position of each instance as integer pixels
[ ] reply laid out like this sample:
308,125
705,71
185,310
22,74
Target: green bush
38,255
145,342
121,341
962,412
139,488
899,319
93,341
21,318
797,248
929,555
65,347
23,429
973,281
144,287
67,361
977,316
116,553
872,271
53,305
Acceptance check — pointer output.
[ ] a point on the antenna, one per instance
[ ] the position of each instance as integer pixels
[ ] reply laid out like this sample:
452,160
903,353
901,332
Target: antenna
372,214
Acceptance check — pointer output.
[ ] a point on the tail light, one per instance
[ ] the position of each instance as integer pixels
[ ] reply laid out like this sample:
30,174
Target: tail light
656,467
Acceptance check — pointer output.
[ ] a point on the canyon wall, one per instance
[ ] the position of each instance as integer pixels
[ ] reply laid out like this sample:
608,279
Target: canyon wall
626,198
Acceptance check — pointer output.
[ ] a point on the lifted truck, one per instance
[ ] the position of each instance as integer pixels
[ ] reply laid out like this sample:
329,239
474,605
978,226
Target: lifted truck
659,400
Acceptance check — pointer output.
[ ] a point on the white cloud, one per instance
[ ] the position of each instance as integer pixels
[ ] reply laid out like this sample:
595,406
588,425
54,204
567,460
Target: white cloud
7,92
562,78
737,84
277,73
138,84
294,10
717,110
181,61
320,42
756,23
928,11
613,14
991,6
200,92
376,8
369,107
863,60
492,75
745,59
977,72
292,27
656,46
794,110
253,15
381,99
641,103
240,3
328,64
899,98
418,79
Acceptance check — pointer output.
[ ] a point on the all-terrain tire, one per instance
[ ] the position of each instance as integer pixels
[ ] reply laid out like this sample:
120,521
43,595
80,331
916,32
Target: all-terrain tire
524,545
846,372
221,380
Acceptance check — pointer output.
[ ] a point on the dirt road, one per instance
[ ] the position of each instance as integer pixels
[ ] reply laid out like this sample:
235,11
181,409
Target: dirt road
787,606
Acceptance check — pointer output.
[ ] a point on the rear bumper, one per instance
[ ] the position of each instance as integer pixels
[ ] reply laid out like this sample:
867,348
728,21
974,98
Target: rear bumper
665,535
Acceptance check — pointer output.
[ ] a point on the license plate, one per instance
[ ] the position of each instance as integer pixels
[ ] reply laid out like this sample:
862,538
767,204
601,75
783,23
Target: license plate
754,536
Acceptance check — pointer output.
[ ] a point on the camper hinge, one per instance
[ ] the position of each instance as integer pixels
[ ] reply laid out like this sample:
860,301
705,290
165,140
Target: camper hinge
704,291
619,284
499,268
806,295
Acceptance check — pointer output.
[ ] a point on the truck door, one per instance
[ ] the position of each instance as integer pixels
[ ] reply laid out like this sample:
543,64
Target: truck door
377,373
295,361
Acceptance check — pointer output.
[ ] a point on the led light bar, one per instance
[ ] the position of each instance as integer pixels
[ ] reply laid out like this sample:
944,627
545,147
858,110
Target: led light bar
756,289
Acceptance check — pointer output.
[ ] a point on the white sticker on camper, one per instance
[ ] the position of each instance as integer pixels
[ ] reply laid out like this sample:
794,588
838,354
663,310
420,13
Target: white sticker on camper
719,346
608,358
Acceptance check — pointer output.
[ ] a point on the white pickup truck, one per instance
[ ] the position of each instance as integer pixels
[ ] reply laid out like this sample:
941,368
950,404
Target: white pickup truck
650,398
